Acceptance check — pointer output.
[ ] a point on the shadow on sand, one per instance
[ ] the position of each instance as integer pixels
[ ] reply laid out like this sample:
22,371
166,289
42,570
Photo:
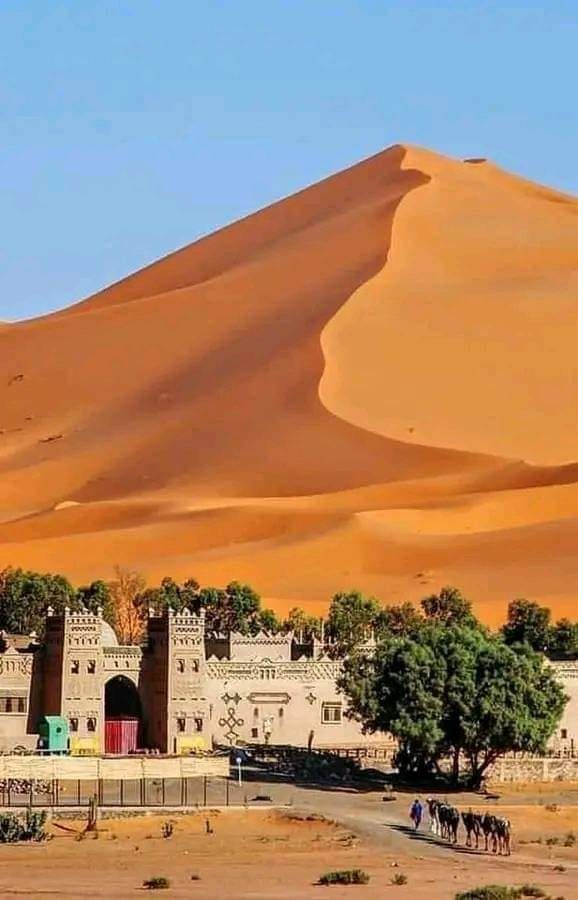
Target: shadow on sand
426,837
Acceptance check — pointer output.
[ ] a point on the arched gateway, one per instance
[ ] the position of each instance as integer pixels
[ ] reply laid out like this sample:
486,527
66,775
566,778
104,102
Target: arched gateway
123,725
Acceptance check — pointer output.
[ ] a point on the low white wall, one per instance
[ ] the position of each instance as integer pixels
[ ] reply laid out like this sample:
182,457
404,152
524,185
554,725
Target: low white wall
88,768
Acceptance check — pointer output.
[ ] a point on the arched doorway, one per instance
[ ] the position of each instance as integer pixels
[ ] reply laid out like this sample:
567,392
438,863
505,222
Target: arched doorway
122,716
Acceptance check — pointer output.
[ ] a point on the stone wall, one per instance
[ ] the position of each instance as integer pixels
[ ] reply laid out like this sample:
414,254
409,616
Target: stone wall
533,769
87,768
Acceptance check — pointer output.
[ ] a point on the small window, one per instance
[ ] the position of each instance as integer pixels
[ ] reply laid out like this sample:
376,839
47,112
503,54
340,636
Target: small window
281,712
564,734
91,724
254,732
73,724
75,667
91,666
21,703
8,704
255,713
195,665
180,665
181,724
331,713
198,725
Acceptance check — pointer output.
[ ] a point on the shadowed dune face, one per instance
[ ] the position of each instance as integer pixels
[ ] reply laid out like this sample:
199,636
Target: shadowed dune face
368,384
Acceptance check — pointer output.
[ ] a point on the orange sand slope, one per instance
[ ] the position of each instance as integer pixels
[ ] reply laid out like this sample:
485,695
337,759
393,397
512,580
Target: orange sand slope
369,384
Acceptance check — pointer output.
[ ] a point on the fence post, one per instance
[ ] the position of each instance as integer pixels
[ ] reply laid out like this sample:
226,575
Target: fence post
78,791
205,791
163,790
227,790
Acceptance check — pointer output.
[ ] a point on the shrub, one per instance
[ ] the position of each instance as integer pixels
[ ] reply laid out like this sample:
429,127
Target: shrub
531,890
400,878
490,892
559,868
501,892
552,841
345,876
570,839
552,807
195,877
167,829
14,829
158,883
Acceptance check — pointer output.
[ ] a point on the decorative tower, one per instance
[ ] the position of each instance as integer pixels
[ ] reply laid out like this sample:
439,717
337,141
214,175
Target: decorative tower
73,675
179,711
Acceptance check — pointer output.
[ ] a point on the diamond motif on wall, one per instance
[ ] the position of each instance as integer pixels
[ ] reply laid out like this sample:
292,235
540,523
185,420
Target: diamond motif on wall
311,698
231,698
231,723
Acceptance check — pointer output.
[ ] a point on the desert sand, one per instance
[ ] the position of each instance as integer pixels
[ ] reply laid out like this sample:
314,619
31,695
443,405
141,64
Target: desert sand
370,384
280,854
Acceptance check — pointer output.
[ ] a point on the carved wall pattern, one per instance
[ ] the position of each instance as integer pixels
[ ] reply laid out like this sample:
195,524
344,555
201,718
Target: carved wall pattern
566,669
15,665
314,670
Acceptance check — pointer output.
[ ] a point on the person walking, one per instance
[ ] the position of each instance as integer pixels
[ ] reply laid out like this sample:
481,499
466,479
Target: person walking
416,813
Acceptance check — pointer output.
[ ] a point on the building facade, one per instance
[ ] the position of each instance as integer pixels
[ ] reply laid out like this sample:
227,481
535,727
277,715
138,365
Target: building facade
184,690
181,690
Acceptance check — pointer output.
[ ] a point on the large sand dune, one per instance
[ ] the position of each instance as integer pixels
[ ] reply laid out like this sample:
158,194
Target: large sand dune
370,384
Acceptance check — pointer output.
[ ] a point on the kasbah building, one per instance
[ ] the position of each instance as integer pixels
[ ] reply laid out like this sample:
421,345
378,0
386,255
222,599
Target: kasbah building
183,691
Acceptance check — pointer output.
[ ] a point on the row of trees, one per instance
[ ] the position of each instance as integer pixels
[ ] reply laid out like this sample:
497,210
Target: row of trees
447,688
353,618
438,680
125,602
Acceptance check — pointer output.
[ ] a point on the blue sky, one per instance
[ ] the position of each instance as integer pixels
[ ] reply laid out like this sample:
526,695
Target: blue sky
129,128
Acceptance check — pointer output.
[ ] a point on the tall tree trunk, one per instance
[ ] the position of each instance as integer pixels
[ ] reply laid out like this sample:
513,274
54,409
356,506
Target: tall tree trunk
456,766
479,770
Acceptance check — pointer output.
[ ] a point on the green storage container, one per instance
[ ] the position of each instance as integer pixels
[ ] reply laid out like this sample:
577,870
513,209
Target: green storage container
53,731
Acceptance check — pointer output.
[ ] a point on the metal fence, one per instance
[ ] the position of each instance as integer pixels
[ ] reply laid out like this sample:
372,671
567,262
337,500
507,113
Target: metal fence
142,792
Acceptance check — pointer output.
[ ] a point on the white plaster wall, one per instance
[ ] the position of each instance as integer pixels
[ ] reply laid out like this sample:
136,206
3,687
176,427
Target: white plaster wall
286,709
566,737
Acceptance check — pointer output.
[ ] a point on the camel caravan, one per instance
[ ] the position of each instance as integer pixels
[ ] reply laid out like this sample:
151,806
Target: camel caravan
445,822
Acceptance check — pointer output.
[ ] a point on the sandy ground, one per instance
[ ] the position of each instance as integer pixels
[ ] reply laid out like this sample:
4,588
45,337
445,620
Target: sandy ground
359,374
270,854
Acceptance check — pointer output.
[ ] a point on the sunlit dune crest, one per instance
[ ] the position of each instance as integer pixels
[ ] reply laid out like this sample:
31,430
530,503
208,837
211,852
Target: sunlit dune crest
369,384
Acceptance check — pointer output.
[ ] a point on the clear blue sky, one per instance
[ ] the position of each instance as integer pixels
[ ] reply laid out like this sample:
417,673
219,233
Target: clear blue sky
132,127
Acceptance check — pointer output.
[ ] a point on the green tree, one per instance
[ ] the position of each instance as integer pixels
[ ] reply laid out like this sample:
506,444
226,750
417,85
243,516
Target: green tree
96,596
236,608
527,623
403,620
269,621
517,706
25,597
454,692
352,617
304,626
449,607
563,639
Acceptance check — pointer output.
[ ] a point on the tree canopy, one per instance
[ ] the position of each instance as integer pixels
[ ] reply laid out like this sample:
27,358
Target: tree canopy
351,620
527,623
25,597
454,691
